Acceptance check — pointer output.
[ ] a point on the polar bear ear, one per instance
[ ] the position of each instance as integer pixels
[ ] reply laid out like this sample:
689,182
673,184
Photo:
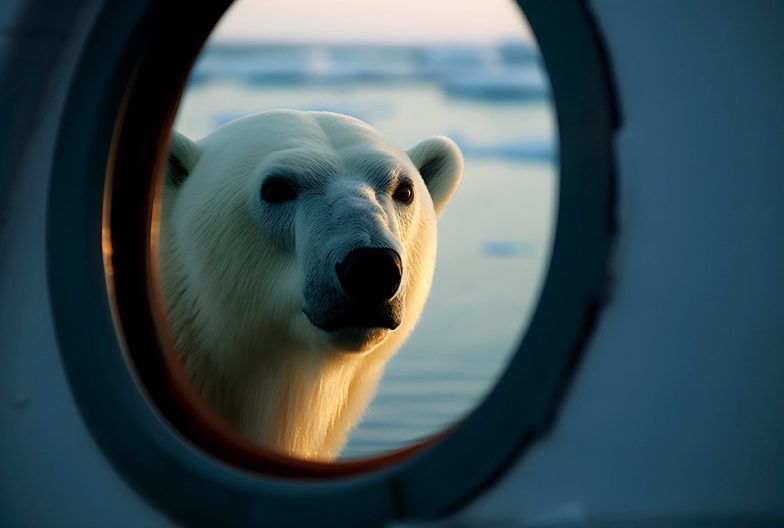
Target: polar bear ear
440,163
183,156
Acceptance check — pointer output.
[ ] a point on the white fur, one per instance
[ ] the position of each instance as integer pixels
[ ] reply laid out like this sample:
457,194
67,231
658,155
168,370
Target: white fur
236,271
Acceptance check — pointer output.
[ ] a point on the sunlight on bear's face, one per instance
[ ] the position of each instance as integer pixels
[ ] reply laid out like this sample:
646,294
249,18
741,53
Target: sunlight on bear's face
296,253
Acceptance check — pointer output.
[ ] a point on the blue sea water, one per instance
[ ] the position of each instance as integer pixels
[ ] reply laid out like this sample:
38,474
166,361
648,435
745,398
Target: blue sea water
495,237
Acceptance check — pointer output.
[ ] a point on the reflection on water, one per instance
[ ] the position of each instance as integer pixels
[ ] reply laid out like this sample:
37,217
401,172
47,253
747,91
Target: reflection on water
495,236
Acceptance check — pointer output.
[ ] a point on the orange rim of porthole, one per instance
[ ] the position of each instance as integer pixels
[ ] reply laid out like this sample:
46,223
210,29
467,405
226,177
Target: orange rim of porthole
113,141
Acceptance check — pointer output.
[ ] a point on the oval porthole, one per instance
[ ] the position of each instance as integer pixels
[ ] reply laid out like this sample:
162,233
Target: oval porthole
483,86
120,111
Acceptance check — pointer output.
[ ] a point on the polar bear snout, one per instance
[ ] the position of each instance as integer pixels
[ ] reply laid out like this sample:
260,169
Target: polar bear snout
370,274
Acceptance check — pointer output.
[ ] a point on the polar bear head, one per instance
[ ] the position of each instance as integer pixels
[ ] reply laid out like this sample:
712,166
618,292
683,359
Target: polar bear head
291,234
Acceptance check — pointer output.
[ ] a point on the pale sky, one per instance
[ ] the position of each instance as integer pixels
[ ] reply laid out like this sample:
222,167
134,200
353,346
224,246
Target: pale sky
383,21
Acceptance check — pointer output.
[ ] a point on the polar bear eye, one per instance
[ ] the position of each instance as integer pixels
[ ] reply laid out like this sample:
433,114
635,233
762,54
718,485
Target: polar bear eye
277,191
404,193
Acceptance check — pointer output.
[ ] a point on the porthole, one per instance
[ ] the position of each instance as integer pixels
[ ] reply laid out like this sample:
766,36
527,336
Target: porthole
119,113
480,83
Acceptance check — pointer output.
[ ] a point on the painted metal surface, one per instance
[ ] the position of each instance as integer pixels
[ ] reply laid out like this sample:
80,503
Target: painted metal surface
673,418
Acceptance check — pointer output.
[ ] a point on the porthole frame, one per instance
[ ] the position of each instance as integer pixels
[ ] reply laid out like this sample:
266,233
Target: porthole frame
120,107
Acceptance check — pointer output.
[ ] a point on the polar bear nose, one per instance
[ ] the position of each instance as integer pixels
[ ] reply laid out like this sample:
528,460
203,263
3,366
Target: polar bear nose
370,274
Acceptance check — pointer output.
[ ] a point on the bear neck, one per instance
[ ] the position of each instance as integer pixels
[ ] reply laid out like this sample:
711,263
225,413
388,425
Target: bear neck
304,406
300,403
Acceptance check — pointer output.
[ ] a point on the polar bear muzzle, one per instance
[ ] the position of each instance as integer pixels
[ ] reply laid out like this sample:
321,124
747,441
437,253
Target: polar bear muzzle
370,280
381,316
370,274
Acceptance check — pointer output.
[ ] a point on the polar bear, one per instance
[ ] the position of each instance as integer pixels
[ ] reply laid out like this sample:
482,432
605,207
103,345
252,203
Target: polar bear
296,253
